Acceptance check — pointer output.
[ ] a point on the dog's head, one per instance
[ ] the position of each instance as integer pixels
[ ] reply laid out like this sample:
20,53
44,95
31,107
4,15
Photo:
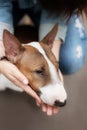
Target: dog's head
37,62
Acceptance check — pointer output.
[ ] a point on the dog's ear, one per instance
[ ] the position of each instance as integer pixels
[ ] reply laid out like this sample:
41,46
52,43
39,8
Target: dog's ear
11,44
50,37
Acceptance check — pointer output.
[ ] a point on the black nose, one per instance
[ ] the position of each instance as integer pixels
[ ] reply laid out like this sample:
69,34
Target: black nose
60,104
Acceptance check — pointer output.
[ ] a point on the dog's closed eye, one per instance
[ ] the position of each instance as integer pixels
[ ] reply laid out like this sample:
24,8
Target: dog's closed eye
39,71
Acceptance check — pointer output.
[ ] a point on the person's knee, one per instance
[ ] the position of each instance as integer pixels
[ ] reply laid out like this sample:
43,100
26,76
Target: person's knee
71,59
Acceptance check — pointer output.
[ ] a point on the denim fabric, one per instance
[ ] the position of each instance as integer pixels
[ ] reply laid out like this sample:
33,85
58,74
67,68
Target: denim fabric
6,21
46,23
73,50
26,3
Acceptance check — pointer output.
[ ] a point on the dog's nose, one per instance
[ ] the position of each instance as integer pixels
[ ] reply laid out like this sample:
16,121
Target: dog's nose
60,104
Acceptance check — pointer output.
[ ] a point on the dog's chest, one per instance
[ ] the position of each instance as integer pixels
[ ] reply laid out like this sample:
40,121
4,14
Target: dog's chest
5,83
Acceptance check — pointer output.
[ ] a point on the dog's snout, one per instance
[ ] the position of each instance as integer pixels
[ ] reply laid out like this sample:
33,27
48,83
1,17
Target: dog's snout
59,103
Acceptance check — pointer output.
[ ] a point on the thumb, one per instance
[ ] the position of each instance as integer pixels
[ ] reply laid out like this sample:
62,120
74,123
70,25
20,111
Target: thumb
32,93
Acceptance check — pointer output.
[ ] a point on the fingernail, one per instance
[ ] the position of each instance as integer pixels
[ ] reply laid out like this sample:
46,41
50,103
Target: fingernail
38,104
25,81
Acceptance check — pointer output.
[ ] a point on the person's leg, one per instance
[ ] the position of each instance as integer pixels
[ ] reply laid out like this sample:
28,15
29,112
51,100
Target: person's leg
35,13
33,10
18,13
73,51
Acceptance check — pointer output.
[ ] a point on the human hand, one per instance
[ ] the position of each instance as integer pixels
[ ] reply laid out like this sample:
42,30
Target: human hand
13,74
49,110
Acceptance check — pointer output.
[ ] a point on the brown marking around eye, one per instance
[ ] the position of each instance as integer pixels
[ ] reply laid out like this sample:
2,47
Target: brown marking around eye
31,61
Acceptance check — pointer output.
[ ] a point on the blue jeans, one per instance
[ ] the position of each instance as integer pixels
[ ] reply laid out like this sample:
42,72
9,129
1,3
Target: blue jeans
73,50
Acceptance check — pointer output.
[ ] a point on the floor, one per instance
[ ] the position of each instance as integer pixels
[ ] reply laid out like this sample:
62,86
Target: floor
19,112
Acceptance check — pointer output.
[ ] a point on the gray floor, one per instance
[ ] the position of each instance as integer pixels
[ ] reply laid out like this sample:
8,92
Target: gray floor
19,112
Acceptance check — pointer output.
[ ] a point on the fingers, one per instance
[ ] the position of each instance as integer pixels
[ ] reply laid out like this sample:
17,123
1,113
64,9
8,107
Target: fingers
8,68
31,92
38,103
49,110
18,75
25,87
14,75
55,110
18,78
45,108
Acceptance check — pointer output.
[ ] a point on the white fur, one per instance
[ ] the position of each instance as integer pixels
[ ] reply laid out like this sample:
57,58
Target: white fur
5,83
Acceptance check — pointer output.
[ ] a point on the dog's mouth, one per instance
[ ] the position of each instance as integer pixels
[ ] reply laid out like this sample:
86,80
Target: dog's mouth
50,100
37,91
60,104
53,102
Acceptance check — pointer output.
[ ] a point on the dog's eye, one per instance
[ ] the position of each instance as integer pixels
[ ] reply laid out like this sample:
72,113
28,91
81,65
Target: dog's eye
39,71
